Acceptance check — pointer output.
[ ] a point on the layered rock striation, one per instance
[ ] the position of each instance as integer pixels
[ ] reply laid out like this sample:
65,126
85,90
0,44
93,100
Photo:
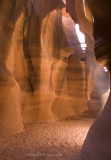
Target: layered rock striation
44,73
98,140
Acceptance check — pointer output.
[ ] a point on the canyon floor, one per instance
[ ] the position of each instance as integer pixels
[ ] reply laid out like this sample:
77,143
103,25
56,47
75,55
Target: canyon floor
60,140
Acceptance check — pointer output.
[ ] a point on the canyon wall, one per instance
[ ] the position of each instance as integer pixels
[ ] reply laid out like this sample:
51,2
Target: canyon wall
98,140
44,73
98,88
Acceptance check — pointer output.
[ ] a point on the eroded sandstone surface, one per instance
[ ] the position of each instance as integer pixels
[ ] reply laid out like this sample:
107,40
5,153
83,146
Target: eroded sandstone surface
45,75
98,141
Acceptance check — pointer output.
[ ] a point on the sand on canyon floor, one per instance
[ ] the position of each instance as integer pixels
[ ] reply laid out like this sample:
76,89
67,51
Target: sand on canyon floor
60,140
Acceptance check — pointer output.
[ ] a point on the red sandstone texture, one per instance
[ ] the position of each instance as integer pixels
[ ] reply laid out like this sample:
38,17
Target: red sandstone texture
44,73
47,75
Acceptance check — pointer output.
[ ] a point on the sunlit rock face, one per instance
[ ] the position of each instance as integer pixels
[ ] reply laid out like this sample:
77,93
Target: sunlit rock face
32,63
10,109
46,72
82,16
26,77
70,93
51,66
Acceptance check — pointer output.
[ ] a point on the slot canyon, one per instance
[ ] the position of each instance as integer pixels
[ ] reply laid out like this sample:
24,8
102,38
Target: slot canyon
55,64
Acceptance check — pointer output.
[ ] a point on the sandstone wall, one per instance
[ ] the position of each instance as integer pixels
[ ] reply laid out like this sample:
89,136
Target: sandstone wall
97,143
82,15
44,74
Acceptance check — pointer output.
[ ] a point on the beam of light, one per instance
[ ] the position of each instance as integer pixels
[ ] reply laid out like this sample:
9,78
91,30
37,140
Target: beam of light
83,45
64,1
84,7
84,49
108,90
80,34
81,38
106,70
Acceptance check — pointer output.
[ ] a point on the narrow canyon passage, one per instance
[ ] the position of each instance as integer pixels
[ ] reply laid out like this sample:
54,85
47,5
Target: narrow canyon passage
48,71
52,86
46,141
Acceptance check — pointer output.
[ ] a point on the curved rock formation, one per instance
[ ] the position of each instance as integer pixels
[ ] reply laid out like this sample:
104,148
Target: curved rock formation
10,111
102,25
37,44
85,20
97,143
46,73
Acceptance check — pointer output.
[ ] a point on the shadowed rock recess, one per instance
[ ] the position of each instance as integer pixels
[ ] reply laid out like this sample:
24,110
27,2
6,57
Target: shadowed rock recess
48,69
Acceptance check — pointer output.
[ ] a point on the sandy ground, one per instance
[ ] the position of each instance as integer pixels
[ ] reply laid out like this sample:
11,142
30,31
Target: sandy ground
46,141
